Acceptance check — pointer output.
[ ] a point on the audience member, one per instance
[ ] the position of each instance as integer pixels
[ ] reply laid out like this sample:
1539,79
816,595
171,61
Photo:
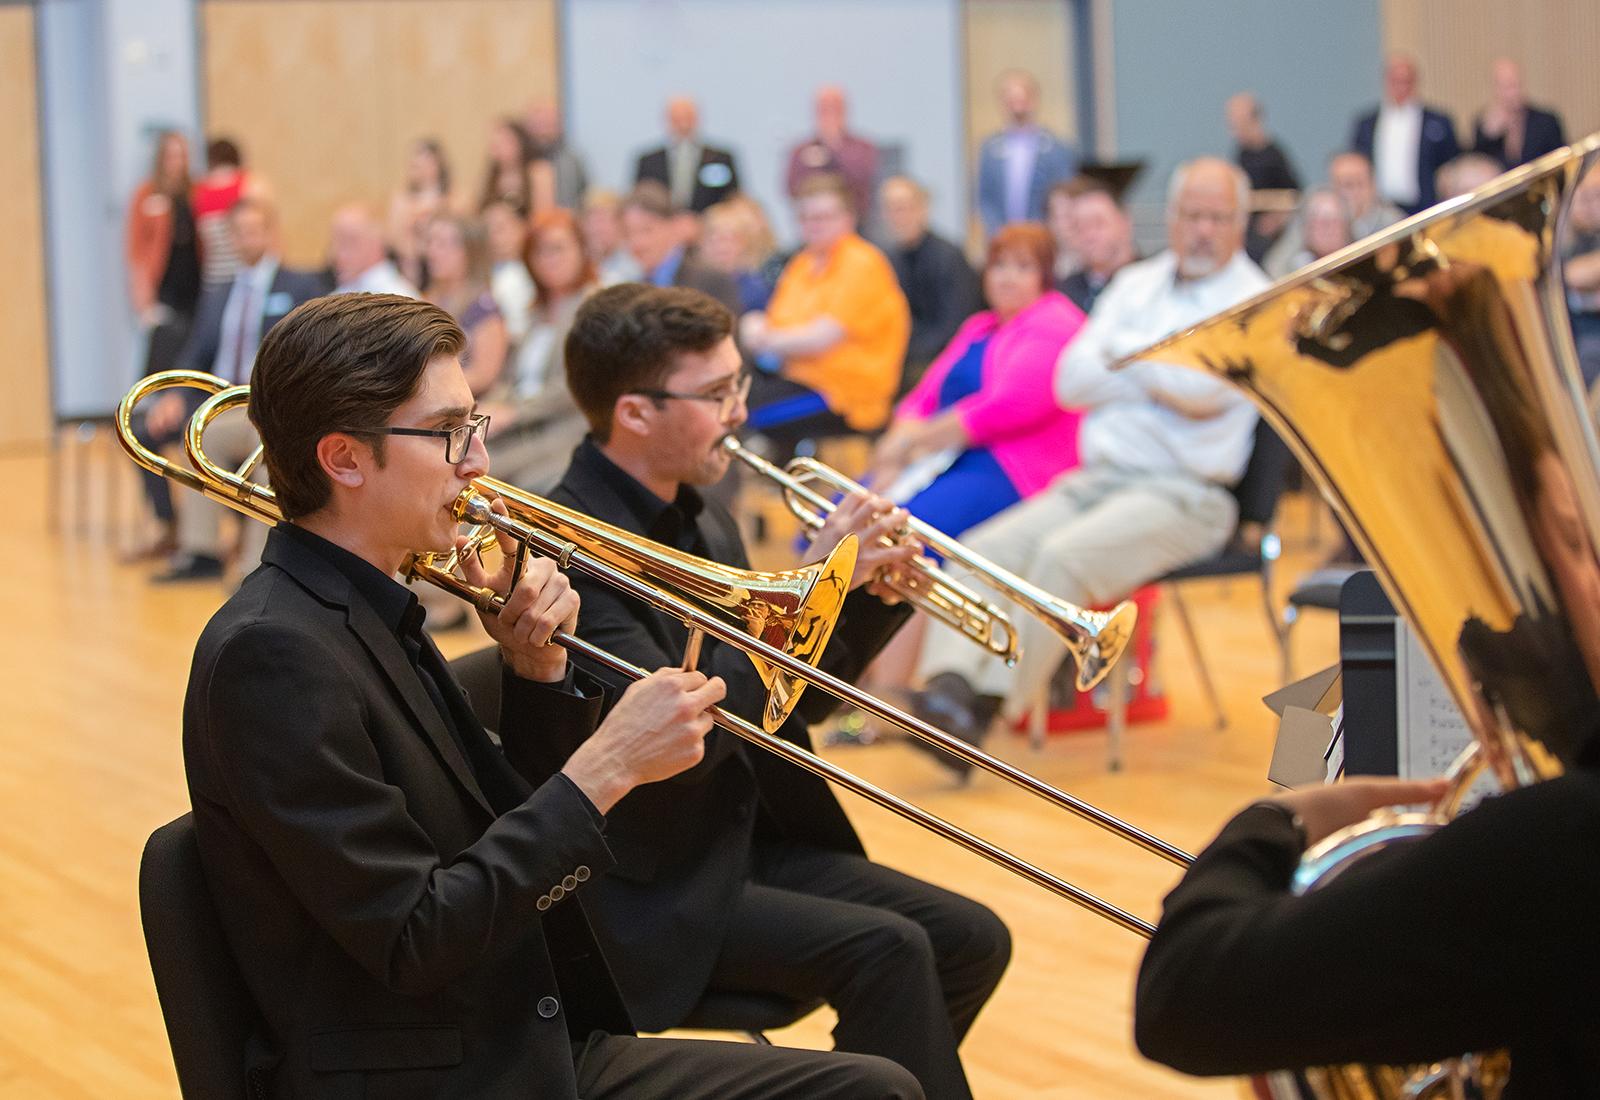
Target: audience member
1406,140
359,261
737,241
1350,176
224,183
510,173
831,343
833,150
1159,446
1466,174
509,279
1104,235
1265,164
1058,211
229,325
1018,166
559,174
655,238
695,174
941,288
1510,129
1580,254
536,422
162,252
424,193
1322,227
602,233
458,283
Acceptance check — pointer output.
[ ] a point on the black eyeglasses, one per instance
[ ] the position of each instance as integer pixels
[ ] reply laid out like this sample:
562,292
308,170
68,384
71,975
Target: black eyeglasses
728,401
458,440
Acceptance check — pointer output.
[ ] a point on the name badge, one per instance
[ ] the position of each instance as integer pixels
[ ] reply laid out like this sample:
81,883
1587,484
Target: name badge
281,302
716,175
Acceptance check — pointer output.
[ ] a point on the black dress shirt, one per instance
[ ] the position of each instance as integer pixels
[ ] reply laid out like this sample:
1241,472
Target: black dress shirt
942,290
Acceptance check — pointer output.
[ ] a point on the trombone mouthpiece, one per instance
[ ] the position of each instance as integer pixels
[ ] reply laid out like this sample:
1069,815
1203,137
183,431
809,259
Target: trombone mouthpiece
473,507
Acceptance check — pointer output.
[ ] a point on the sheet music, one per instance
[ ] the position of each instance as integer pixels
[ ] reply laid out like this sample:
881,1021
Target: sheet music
1429,728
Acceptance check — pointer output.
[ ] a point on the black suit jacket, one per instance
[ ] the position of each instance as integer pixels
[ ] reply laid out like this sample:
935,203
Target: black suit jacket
1437,147
1541,134
289,289
716,177
403,921
683,847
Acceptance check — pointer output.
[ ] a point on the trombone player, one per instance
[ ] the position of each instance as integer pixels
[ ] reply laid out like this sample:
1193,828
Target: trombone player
743,874
406,908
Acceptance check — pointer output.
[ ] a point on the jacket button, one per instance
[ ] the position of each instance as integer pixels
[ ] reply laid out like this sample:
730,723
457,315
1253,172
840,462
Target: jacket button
557,893
581,874
570,883
543,903
548,1007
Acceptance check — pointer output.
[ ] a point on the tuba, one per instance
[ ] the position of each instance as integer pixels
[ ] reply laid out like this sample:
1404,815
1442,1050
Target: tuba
1427,379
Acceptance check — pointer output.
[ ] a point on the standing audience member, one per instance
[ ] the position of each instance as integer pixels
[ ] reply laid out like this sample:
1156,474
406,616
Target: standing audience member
558,171
1265,164
602,233
941,288
655,238
1350,176
737,241
1104,234
162,252
229,326
424,194
1159,447
1406,140
509,279
834,151
1510,129
360,264
224,183
831,343
458,283
695,174
1580,255
510,173
1018,166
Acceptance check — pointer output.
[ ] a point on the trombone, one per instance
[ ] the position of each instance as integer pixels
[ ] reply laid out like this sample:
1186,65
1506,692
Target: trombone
1094,638
741,608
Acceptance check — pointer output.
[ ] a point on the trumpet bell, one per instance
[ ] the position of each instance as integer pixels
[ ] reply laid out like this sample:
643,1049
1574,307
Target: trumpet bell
1101,642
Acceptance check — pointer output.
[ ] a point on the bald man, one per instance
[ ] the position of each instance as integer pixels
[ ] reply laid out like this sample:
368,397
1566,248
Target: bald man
360,262
1510,129
697,175
834,151
1406,140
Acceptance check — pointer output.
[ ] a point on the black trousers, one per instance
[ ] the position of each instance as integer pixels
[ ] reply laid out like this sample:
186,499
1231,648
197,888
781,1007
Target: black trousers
165,344
905,964
611,1067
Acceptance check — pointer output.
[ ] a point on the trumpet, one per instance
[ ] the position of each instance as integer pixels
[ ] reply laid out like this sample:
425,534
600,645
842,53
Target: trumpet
781,621
1094,638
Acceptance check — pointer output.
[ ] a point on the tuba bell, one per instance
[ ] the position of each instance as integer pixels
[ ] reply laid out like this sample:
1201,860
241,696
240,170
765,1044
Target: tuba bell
1426,377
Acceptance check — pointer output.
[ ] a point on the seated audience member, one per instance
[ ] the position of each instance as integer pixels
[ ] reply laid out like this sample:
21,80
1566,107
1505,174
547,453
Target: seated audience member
736,240
1158,447
655,238
509,280
1058,212
511,174
458,283
602,230
1265,164
941,288
225,182
424,194
1406,141
1350,175
1580,254
1466,174
831,343
697,176
1104,236
834,151
360,264
1018,166
229,325
1323,227
559,175
536,423
1510,129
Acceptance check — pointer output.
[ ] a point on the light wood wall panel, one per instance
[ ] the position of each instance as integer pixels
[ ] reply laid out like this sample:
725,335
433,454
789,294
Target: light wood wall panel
1454,41
325,96
25,409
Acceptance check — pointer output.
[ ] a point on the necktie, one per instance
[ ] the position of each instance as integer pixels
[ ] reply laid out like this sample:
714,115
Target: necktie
683,167
241,369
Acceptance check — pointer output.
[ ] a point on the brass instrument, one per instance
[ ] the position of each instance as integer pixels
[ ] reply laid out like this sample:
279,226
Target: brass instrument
1427,378
758,613
1094,638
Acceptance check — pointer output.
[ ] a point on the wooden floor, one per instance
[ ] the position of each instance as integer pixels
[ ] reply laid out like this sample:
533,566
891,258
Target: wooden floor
95,659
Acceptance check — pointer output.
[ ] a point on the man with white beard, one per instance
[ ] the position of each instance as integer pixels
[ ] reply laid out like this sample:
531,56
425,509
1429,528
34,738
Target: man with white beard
1159,447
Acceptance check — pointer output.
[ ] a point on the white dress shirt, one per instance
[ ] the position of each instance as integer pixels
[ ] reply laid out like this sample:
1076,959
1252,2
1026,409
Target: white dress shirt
1151,416
1396,145
381,278
254,284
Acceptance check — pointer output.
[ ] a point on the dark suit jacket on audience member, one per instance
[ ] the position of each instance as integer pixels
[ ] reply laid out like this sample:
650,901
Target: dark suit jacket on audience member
1541,133
289,289
716,177
942,290
1438,147
696,274
683,847
387,889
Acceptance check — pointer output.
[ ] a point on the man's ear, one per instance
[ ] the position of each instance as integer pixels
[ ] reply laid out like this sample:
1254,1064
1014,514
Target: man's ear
344,459
634,413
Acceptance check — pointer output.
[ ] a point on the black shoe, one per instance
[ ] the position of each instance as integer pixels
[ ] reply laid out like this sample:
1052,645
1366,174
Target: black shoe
949,703
190,567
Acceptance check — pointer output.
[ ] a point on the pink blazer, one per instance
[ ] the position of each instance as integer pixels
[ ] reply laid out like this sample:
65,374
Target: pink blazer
1014,413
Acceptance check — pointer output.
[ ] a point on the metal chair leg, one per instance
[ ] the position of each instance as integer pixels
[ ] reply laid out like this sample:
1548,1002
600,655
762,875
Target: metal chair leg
1119,685
1199,657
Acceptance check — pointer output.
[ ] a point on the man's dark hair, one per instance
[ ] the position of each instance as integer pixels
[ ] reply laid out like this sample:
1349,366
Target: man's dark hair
221,152
628,337
340,363
651,197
